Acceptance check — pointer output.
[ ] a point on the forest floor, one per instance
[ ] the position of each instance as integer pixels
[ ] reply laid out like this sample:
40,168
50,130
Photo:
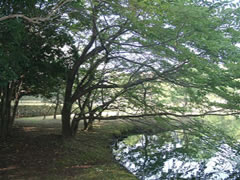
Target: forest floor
37,151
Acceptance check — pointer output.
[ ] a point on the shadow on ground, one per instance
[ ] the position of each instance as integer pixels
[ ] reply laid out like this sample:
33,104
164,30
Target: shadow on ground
36,151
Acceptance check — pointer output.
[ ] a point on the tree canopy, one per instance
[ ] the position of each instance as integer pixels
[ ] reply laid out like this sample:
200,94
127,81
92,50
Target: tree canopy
162,58
31,58
138,56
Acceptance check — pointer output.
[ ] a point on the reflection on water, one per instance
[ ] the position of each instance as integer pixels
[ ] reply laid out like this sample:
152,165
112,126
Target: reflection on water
178,155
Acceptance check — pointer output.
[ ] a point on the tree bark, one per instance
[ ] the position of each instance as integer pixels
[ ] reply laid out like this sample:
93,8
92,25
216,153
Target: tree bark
66,118
67,109
56,105
5,111
74,126
88,125
13,116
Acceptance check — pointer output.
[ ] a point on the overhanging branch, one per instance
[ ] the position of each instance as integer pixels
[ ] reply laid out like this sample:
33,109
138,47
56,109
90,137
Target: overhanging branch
37,20
212,113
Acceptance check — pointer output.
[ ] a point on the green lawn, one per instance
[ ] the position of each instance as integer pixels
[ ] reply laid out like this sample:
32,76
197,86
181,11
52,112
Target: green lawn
37,151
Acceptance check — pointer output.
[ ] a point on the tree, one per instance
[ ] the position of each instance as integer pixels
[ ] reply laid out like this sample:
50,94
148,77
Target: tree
55,97
136,52
52,13
31,59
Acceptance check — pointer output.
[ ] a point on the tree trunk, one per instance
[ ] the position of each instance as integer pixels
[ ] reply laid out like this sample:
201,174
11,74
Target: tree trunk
88,125
66,118
55,112
5,111
85,124
47,113
66,111
56,105
74,126
14,111
3,121
2,113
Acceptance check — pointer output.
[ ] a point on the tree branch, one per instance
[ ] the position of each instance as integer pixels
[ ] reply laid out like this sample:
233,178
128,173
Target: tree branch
37,20
210,113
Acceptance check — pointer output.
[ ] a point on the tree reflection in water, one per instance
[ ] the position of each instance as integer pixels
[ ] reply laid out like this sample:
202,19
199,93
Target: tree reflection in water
178,155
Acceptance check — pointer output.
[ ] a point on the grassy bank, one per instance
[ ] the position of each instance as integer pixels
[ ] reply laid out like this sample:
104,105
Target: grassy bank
37,151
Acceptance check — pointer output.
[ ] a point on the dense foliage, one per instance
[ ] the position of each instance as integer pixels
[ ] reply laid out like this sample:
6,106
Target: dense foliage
142,58
162,58
31,59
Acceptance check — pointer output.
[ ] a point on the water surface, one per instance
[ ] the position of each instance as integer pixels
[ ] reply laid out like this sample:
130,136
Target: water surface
178,155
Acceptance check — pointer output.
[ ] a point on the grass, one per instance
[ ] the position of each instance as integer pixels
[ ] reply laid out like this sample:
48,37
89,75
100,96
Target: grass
37,151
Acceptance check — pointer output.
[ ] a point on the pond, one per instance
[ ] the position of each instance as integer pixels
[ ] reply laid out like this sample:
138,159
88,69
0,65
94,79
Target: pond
178,155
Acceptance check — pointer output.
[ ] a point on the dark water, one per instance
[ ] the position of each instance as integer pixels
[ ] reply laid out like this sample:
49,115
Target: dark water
178,155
